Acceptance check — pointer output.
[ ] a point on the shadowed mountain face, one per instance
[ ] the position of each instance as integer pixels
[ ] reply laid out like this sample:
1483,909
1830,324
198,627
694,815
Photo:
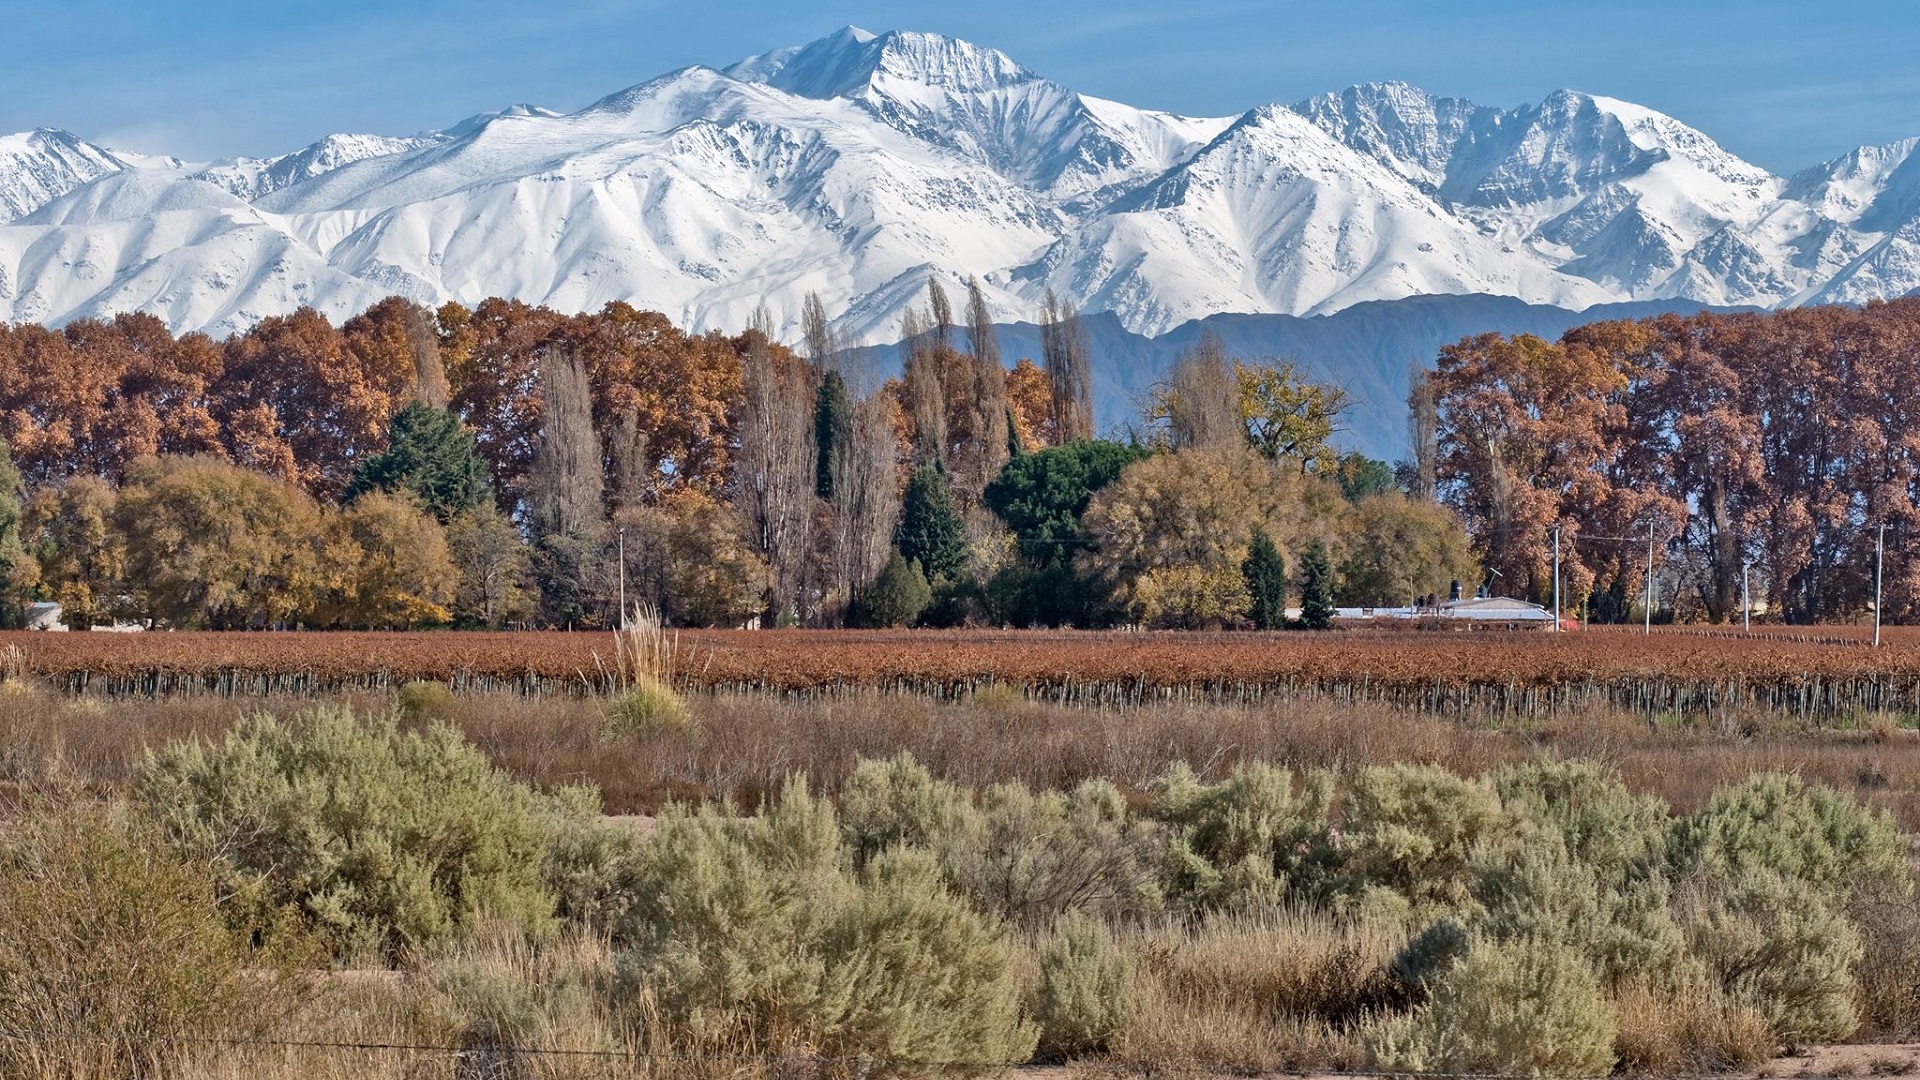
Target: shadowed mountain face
859,165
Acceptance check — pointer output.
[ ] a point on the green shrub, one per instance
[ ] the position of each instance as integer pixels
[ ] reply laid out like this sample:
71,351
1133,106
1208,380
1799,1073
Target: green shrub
1770,942
1619,923
898,595
590,866
424,699
1246,842
898,803
753,935
1032,857
112,944
382,839
1410,829
1604,826
920,980
1528,1007
1809,832
1086,990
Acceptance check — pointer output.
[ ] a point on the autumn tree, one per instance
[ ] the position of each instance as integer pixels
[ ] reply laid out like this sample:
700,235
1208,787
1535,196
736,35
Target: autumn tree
15,572
78,549
687,557
391,565
93,396
1030,404
270,395
494,568
1198,404
1288,417
1171,533
1399,549
212,545
775,474
866,500
1069,369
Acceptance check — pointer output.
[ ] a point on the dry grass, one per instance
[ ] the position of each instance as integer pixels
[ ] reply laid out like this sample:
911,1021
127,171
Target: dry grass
742,745
1284,991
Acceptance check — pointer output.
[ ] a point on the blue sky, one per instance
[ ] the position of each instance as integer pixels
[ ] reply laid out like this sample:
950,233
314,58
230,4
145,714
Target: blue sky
1783,84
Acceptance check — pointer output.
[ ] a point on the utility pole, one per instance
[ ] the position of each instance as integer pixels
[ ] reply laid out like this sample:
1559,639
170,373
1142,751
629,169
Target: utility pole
623,577
1746,599
1556,577
1879,564
1649,613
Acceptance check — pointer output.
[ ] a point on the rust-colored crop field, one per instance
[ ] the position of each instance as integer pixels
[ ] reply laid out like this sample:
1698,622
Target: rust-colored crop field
1806,671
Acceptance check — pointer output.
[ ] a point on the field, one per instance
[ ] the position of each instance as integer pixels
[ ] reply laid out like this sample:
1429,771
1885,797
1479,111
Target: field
1814,674
1235,985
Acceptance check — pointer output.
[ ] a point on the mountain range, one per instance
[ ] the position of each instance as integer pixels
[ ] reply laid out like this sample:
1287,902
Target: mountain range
859,165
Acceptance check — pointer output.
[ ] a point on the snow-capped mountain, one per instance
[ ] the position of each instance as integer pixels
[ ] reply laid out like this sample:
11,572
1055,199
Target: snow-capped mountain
859,164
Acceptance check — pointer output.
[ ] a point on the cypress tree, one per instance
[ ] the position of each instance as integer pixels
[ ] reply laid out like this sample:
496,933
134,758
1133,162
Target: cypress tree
430,456
931,532
899,594
832,428
1266,576
13,613
1316,588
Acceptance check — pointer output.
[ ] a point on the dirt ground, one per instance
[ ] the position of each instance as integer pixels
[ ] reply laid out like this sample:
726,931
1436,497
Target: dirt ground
1822,1063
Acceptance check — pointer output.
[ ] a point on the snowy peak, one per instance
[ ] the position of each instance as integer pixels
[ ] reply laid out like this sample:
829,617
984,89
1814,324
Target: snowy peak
852,62
1403,127
39,166
857,165
251,178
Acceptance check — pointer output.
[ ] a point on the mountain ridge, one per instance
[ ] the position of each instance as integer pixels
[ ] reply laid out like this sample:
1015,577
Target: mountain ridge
858,165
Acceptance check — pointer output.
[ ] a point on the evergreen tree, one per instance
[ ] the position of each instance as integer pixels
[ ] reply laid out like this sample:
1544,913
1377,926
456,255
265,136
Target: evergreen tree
430,456
899,594
931,532
832,428
13,556
1266,575
1316,588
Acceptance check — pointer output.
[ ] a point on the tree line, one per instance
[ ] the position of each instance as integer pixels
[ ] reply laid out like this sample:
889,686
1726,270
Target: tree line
511,465
1756,452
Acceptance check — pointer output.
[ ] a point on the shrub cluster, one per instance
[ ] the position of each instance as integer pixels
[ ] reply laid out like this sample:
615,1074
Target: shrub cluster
1540,920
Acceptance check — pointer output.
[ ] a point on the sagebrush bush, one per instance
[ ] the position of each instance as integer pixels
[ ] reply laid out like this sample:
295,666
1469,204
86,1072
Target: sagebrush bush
112,946
1619,922
1603,825
898,803
1773,943
756,934
1410,830
422,699
1246,842
1781,824
1529,1007
1086,990
1032,857
383,839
